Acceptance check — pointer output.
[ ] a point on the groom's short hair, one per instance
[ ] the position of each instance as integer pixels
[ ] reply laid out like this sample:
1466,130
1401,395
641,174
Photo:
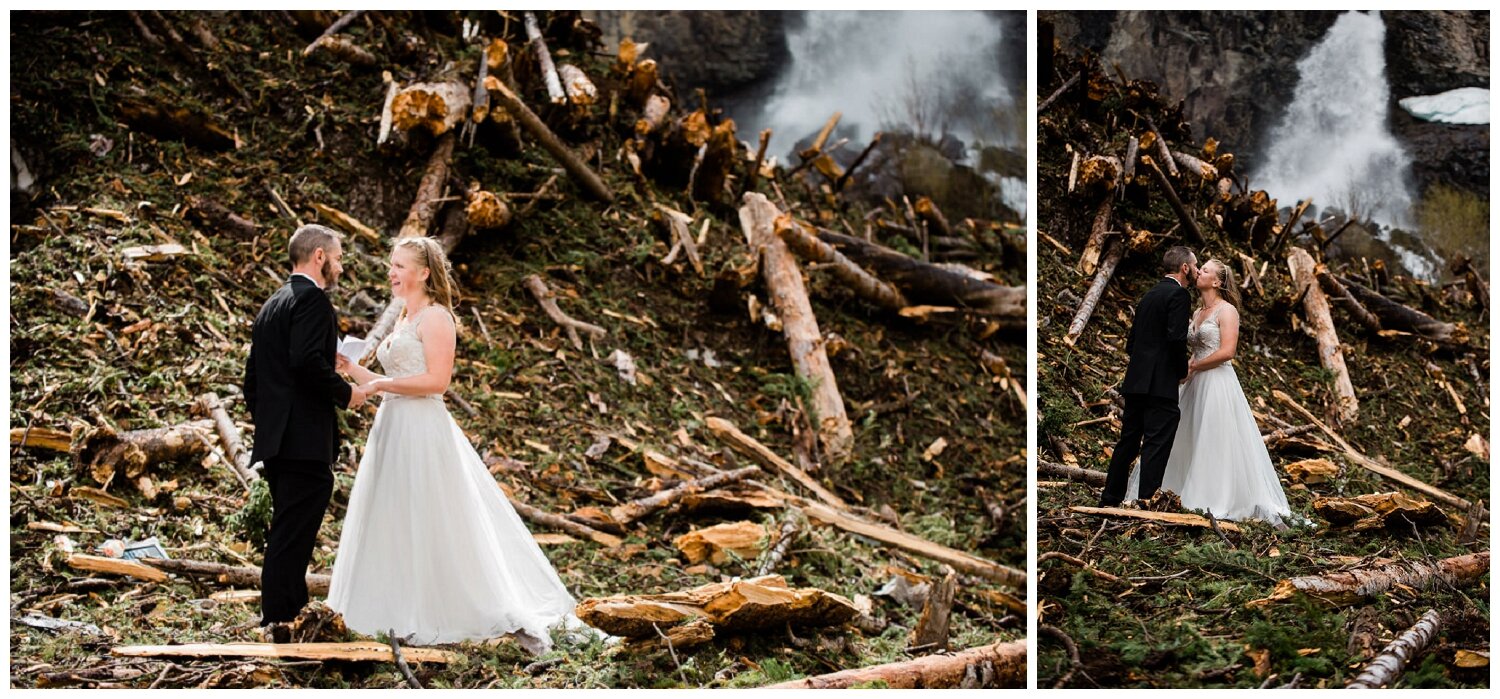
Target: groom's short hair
309,238
1176,257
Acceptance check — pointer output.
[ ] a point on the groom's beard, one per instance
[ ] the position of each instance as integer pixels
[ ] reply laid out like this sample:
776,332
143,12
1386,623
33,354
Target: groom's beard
330,277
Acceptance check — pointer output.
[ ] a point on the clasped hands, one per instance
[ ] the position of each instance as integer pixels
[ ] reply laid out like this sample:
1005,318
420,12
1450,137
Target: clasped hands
359,393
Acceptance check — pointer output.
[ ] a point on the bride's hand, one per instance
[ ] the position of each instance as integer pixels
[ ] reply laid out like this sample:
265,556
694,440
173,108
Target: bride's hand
341,363
373,387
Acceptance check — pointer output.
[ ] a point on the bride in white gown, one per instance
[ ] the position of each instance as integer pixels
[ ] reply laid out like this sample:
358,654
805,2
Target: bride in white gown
1218,461
431,546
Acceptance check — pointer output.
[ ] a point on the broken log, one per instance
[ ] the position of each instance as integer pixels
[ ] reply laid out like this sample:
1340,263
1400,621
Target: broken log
960,560
344,49
1181,519
763,602
392,88
1307,471
864,284
218,217
533,125
41,438
170,122
1349,587
1097,233
115,566
580,90
229,434
1320,326
924,283
637,509
1058,92
544,63
486,210
1371,464
1204,171
715,543
338,25
1082,475
1396,316
677,224
783,281
1386,667
359,651
1336,290
563,524
436,107
784,539
1286,231
931,630
544,296
643,81
1379,511
102,452
247,576
1006,663
1183,214
761,454
653,116
1095,292
713,172
838,185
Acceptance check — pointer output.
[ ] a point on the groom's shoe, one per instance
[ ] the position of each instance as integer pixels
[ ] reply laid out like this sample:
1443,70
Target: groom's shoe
277,632
1107,503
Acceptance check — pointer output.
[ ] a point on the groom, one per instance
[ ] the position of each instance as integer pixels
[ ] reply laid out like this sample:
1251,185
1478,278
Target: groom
1158,362
293,394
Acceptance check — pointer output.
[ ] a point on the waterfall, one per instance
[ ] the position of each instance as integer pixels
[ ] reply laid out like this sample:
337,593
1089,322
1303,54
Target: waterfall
934,72
1334,143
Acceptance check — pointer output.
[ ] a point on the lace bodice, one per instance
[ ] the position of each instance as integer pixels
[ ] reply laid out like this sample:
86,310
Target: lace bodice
1203,338
401,353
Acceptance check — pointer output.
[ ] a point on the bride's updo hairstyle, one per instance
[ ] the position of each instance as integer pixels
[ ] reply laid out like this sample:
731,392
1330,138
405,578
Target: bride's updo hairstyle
1229,289
439,285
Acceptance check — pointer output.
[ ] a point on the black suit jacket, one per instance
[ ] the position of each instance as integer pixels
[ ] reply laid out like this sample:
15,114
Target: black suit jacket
290,386
1158,342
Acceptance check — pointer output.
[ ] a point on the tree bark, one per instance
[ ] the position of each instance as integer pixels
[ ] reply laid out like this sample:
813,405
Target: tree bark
1396,316
838,185
437,107
1166,188
761,454
1082,475
1350,587
580,90
1089,260
637,509
1320,325
1006,662
533,125
359,651
218,218
718,155
1385,668
486,210
248,576
344,49
563,524
1177,518
103,452
1200,169
960,560
115,566
338,25
1335,290
774,556
738,605
931,630
677,224
1095,292
783,280
538,43
864,284
544,296
1286,231
176,122
921,282
229,434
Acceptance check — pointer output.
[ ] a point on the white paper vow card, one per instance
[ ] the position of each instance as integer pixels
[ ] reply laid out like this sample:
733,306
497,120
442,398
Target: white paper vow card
353,347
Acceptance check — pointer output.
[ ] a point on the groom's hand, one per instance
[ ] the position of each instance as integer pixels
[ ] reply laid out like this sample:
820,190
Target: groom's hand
341,363
357,397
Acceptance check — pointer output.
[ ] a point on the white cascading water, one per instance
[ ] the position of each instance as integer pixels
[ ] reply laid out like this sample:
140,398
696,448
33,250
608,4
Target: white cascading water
870,65
1334,143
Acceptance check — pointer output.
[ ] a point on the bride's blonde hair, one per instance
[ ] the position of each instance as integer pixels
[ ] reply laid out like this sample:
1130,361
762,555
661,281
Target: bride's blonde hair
439,286
1229,289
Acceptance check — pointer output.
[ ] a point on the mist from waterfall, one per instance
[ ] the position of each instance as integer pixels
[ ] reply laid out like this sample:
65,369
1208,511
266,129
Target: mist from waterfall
1334,143
933,73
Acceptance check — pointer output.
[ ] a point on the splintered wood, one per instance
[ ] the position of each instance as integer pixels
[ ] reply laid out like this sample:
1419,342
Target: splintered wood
759,603
1345,588
365,651
1005,664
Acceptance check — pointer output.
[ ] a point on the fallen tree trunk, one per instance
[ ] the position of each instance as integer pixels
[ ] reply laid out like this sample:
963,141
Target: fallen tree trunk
1177,518
960,560
636,509
533,125
563,524
544,296
548,70
747,445
1082,475
864,284
1095,245
1386,667
103,451
1200,169
738,605
248,576
360,651
1183,214
1005,665
925,283
1095,292
1396,316
1371,464
783,281
437,107
1349,587
229,434
1336,290
1320,326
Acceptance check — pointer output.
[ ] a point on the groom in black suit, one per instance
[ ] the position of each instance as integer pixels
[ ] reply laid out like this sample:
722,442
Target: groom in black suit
1158,363
293,394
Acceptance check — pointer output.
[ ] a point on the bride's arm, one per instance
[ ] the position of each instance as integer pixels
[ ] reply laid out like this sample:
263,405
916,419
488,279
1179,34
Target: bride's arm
360,374
1229,340
438,342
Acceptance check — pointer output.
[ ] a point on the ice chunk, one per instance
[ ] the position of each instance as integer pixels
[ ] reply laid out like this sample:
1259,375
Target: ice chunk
1466,105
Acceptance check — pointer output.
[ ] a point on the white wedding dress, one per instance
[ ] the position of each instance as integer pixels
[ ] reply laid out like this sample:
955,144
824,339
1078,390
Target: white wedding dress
1218,461
431,546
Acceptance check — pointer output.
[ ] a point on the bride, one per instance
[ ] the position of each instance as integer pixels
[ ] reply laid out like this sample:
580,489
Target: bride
1218,461
431,548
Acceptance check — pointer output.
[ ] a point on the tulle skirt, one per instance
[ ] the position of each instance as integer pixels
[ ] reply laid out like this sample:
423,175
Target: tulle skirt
1218,461
431,546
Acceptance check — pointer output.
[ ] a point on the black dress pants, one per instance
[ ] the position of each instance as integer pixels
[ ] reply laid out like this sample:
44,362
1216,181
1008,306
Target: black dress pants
1150,426
300,491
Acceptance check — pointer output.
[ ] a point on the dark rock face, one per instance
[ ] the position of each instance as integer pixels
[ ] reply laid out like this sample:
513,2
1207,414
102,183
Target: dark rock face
719,51
1236,72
